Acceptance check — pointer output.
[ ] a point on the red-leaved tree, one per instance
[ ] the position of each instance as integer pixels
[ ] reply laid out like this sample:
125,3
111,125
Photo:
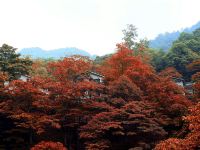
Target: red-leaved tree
49,145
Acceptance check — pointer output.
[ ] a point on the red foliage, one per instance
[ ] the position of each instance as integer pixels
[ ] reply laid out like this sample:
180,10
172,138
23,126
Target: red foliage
26,106
170,72
69,68
49,145
132,123
191,140
120,63
196,85
194,66
138,95
135,107
139,78
3,79
124,88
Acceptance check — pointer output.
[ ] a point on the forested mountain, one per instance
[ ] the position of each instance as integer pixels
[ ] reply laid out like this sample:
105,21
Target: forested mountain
164,41
183,51
37,52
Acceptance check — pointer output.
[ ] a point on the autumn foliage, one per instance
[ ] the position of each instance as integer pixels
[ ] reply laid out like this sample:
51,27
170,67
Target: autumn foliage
144,104
49,146
133,108
191,140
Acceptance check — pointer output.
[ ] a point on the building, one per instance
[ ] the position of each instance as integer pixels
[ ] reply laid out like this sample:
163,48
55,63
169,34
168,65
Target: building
91,76
178,81
188,86
96,77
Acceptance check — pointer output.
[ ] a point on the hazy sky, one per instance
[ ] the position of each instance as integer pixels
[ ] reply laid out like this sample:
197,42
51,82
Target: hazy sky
92,25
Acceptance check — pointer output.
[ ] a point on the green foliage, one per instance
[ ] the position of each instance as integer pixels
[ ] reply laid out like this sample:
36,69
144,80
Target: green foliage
130,35
101,59
184,51
142,42
12,64
179,56
165,41
192,41
158,60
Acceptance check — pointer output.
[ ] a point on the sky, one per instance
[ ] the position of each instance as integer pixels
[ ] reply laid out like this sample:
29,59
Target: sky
92,25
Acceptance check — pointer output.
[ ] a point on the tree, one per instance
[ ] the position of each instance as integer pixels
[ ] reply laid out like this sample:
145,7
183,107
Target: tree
122,62
180,56
191,140
12,63
184,51
194,67
158,60
130,35
69,68
49,145
140,47
134,125
27,105
134,108
3,79
170,72
191,40
125,89
78,98
39,68
137,95
100,59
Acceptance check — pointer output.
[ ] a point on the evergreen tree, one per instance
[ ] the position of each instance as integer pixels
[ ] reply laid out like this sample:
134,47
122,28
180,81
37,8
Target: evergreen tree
12,64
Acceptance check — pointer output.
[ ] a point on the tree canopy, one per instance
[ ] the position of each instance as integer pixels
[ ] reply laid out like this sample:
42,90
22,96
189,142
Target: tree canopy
12,64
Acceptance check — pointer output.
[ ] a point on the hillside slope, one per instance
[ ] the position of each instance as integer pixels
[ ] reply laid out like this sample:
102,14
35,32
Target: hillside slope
164,41
36,52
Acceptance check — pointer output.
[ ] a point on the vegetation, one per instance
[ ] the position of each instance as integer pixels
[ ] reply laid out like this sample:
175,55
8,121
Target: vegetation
12,64
165,41
184,51
138,105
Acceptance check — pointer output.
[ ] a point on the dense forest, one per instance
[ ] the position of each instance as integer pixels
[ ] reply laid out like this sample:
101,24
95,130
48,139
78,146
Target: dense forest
48,104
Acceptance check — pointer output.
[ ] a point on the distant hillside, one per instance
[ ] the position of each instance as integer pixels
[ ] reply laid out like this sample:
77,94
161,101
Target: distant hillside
36,52
164,41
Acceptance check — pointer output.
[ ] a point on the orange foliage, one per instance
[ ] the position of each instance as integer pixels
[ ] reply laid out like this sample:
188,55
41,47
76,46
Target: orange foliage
194,66
124,88
68,68
170,72
49,145
120,63
134,122
135,107
196,85
3,79
191,141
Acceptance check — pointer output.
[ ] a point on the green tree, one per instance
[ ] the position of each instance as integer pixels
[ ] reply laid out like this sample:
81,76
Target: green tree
101,59
192,40
158,60
184,51
130,36
12,64
180,56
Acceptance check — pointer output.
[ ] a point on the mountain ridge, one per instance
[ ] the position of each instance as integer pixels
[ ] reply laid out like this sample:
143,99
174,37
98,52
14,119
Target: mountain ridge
165,40
37,52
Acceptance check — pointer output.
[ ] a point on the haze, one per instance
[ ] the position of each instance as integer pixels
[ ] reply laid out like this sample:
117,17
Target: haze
91,25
